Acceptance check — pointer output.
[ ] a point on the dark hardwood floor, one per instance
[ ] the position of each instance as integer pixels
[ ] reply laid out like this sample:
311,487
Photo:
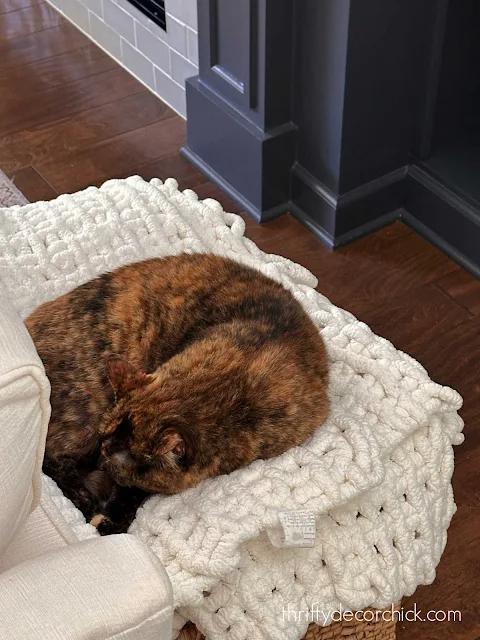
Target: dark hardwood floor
70,117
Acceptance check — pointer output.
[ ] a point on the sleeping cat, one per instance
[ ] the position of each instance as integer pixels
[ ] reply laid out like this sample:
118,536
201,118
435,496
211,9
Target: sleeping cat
169,371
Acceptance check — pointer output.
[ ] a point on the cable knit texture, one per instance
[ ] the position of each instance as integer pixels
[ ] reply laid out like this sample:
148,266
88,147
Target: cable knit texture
376,474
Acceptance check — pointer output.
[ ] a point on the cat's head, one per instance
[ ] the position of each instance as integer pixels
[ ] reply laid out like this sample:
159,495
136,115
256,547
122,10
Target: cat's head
150,441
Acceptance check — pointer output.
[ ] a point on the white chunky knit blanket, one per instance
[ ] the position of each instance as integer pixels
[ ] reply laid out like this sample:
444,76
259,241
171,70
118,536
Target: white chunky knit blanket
376,474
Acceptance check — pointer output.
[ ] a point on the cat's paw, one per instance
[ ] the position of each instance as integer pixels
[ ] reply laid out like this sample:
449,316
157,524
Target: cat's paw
106,527
97,519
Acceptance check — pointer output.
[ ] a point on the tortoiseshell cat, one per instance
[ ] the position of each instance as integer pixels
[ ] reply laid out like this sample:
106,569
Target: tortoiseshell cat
169,371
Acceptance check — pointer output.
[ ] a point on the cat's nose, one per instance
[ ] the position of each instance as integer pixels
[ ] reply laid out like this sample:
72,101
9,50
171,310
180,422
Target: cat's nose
122,459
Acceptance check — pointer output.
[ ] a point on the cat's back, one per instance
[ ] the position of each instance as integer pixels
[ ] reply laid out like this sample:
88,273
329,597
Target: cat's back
169,301
190,286
149,312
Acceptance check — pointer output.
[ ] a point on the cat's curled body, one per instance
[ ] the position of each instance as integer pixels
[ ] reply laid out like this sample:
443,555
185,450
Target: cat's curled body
169,371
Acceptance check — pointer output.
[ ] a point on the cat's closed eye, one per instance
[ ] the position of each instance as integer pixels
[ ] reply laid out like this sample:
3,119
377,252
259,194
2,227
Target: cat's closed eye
143,468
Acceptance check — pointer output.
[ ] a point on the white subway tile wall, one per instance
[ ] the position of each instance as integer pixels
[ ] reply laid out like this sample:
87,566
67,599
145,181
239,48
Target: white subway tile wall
162,60
192,39
119,20
138,64
94,5
180,67
152,47
105,35
78,13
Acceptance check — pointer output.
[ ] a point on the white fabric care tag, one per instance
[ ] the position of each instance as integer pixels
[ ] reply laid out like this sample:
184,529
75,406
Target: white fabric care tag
297,529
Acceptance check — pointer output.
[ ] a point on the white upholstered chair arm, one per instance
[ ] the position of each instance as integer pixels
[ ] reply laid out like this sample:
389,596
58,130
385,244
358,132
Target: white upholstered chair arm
103,588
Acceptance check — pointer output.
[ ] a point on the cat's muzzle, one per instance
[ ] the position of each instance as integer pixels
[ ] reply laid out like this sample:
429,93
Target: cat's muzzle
120,466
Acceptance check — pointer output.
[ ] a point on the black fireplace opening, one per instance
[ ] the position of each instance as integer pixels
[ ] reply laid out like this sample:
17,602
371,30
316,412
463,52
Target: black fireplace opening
154,9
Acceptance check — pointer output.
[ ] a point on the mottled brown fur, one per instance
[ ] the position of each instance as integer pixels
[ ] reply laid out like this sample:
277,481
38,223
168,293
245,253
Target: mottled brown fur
169,371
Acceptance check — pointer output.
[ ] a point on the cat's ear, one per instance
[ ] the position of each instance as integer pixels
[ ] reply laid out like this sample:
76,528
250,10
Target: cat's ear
124,377
171,441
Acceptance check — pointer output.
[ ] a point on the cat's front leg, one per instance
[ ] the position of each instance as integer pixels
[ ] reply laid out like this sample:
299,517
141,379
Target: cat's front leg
118,513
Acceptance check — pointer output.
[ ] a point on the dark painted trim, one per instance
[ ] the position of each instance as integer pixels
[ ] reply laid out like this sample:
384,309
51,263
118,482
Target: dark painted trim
238,88
240,130
444,217
441,243
343,218
246,55
433,210
252,165
367,228
373,187
315,185
253,211
340,241
458,201
438,213
312,225
355,194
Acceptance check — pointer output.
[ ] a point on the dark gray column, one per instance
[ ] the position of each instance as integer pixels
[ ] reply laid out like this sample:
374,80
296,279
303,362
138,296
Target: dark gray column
357,86
329,109
309,106
240,133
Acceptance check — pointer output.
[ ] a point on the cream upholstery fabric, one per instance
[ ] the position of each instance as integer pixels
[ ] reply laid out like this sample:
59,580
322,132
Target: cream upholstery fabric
54,523
24,416
99,589
38,536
